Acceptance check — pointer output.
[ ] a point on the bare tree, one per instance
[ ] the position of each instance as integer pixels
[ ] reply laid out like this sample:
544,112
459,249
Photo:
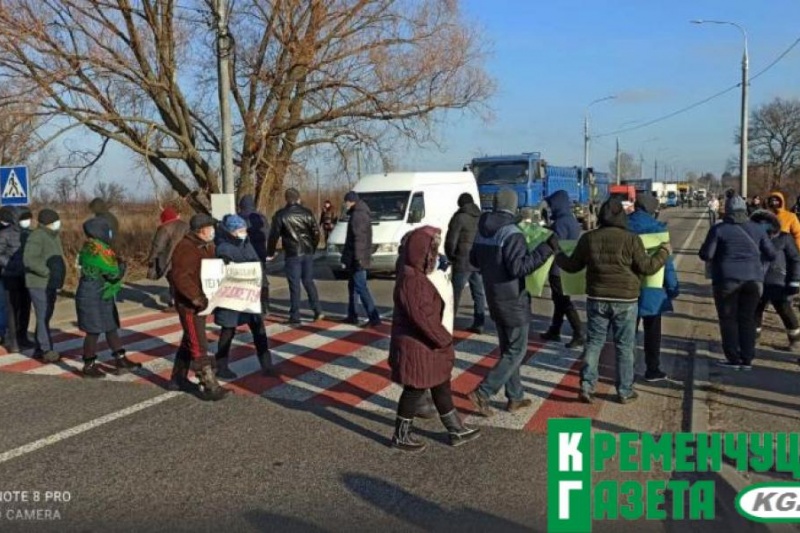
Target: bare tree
310,77
629,168
64,190
774,138
112,193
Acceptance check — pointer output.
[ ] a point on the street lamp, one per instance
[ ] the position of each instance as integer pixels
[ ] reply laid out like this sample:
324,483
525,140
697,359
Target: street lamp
744,126
586,130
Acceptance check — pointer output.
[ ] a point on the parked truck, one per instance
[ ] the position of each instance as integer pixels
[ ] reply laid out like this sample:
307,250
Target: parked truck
534,179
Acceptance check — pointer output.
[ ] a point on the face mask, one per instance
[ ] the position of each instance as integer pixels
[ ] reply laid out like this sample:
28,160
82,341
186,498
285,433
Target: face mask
55,226
241,236
25,224
110,234
211,236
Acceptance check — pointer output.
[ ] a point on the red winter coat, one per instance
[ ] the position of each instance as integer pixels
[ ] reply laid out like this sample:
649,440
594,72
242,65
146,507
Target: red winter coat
421,353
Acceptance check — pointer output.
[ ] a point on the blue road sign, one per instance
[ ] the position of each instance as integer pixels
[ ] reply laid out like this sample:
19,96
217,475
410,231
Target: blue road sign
14,186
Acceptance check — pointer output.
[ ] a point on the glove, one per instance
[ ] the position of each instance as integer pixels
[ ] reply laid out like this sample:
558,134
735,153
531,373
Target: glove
200,303
552,242
667,247
444,264
793,288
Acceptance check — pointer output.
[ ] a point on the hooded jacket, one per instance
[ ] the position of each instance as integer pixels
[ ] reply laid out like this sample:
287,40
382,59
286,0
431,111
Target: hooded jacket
460,235
563,221
785,268
421,353
257,225
789,222
501,254
357,250
614,257
737,248
96,314
99,207
653,301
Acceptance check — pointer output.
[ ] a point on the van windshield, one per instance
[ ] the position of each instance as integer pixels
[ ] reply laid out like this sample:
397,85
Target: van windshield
385,206
672,194
500,172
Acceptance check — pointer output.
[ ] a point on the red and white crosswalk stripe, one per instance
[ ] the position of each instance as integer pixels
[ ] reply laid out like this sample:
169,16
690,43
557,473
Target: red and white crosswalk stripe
332,364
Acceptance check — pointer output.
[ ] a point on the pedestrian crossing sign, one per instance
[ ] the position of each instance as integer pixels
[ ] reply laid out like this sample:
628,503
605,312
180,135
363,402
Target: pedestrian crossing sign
14,186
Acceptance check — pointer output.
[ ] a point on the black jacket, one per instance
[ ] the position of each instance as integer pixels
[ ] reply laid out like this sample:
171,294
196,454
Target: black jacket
357,249
501,254
460,236
233,250
12,242
257,225
296,226
785,268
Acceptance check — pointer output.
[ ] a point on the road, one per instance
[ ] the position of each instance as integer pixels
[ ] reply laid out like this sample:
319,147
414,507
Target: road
309,451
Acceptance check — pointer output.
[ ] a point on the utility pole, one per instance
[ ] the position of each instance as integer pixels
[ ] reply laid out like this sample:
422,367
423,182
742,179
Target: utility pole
641,166
223,65
743,146
358,161
655,170
617,164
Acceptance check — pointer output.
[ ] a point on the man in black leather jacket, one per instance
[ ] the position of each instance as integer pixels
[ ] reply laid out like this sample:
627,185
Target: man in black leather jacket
297,228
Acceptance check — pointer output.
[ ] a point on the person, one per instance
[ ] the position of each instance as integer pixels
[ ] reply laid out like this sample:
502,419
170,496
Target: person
101,209
327,220
796,207
713,210
96,310
190,301
169,233
737,249
782,279
297,229
789,222
7,221
502,256
234,247
257,232
18,300
356,256
614,259
653,301
566,227
45,272
754,205
421,353
461,232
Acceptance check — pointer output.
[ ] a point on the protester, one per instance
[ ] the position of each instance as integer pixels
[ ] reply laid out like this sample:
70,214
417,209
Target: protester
566,227
713,210
461,233
327,220
614,259
101,209
754,205
100,281
190,300
297,229
502,255
7,222
257,232
789,222
18,300
356,256
234,247
45,272
167,237
782,279
796,207
737,249
653,301
421,353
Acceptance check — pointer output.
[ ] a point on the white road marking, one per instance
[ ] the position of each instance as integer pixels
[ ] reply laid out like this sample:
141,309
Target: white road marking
83,428
688,241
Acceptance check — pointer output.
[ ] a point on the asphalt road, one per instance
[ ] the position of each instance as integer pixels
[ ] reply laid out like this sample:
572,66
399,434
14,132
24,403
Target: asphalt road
130,457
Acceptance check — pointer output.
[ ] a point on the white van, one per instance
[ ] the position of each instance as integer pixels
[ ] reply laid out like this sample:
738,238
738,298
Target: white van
401,202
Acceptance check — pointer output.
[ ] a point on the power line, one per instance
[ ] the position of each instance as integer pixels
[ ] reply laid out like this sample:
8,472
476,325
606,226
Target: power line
703,101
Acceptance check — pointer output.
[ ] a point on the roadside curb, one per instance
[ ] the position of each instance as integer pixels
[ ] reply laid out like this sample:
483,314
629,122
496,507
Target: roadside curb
700,415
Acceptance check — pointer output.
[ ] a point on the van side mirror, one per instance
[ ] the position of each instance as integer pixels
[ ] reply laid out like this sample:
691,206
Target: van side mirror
415,216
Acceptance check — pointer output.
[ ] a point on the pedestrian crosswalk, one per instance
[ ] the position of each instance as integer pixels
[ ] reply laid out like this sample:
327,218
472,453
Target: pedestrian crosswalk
331,364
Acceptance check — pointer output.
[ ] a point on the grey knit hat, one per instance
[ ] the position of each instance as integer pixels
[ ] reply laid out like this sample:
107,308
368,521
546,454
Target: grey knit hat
506,200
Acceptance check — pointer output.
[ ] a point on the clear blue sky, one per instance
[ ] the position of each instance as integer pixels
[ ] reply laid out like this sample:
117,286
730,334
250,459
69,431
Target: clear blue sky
550,59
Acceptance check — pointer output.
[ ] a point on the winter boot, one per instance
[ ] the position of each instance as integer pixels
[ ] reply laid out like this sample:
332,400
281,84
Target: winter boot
265,360
402,438
210,389
180,377
426,409
577,333
91,369
458,432
224,370
477,324
550,335
794,339
51,356
122,364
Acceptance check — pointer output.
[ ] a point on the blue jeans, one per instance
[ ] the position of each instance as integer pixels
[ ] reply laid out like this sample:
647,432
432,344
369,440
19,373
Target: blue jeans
300,270
357,285
621,318
44,304
475,280
513,348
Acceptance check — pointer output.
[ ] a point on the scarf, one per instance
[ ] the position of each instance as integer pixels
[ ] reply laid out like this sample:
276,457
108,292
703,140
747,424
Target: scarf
99,262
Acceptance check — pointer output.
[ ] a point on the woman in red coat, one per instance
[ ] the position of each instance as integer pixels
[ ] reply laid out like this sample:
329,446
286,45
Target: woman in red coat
421,354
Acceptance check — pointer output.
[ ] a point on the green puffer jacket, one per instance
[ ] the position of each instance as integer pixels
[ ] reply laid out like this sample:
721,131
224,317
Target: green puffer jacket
44,260
614,258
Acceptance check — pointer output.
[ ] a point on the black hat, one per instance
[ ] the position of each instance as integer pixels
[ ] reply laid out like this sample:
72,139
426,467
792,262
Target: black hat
351,197
25,214
201,221
7,215
47,217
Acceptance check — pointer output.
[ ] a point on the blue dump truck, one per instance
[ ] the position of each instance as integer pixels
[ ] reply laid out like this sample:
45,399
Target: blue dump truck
534,179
